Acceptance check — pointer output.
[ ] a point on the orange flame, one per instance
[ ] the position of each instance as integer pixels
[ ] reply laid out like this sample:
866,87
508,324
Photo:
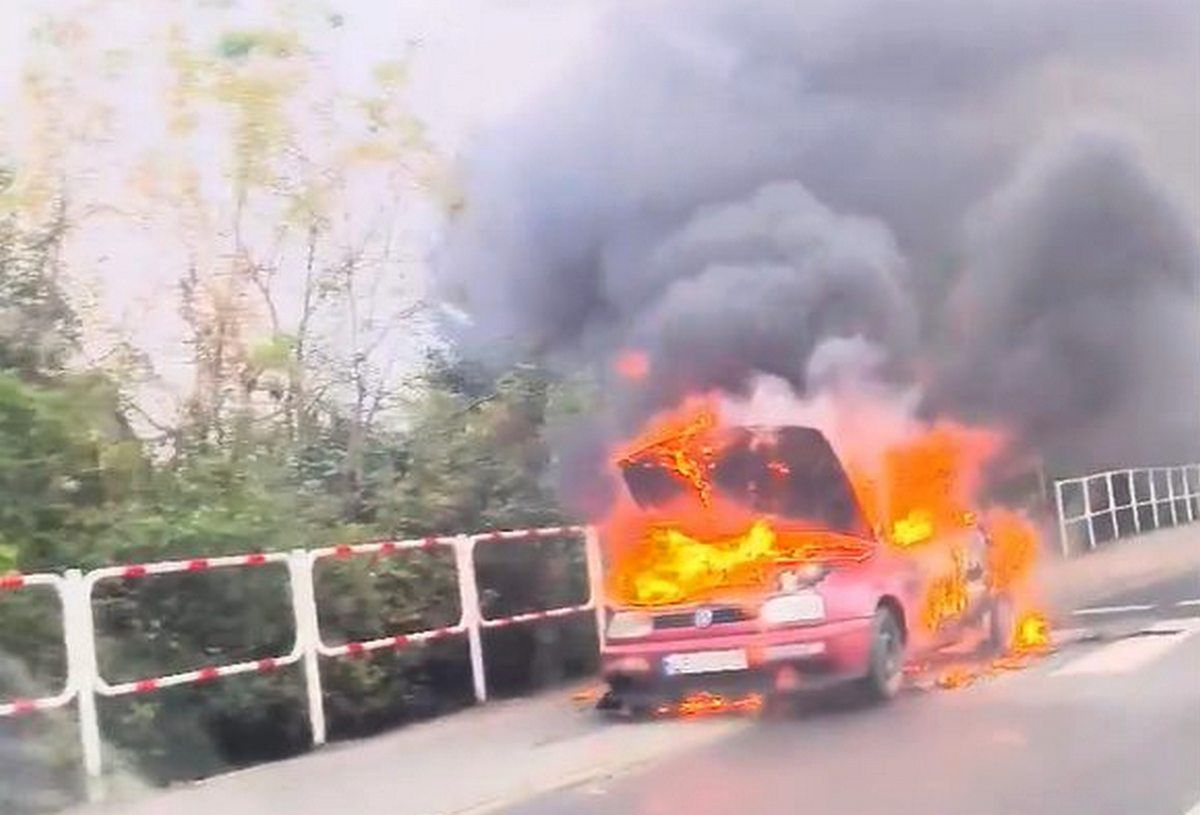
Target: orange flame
678,440
957,677
707,704
925,486
632,364
946,595
1031,633
1013,551
682,552
921,492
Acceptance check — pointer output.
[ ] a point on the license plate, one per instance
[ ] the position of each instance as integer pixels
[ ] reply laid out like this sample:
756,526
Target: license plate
705,662
797,650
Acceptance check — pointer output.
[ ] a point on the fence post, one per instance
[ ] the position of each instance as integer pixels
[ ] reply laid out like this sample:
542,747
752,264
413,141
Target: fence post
595,572
79,633
1193,484
1187,492
1062,519
1153,497
1087,512
1112,506
1171,495
472,617
308,634
1134,502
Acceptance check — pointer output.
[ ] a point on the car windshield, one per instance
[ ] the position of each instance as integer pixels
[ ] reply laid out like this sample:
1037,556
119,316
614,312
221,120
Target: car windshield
789,472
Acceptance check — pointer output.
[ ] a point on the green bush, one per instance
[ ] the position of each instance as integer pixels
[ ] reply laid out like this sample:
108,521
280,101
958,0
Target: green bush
82,492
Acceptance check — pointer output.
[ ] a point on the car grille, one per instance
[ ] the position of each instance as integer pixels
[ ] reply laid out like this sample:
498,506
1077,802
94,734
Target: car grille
687,619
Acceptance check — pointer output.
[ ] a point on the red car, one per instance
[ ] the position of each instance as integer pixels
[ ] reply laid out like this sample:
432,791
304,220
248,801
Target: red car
810,624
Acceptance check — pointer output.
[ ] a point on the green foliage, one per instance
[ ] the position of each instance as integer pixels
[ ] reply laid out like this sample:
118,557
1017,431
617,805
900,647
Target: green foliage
475,463
274,354
37,326
78,489
63,452
266,459
8,557
242,43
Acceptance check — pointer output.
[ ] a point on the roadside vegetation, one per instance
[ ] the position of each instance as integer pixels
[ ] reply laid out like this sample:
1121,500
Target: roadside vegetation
304,424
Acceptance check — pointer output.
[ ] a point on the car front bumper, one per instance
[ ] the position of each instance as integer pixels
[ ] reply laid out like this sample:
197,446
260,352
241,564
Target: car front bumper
785,659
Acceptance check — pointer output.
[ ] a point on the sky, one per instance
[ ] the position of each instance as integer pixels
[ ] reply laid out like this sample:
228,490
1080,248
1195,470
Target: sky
533,105
470,63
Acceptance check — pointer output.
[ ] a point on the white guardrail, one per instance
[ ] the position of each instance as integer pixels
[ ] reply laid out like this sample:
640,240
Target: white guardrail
1102,507
84,681
1091,510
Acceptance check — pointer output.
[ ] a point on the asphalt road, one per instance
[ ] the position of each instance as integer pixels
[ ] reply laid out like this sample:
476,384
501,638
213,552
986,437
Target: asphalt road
1109,725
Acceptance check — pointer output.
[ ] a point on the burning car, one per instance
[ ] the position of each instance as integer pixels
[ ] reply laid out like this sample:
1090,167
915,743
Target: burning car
744,566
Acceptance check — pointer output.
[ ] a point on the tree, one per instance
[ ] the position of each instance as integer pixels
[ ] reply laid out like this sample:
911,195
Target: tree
304,423
37,326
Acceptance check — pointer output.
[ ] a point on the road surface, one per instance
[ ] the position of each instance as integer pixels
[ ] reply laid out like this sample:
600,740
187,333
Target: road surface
1108,724
1104,727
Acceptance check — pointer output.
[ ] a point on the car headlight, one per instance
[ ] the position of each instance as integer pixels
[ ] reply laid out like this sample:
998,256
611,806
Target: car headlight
626,625
809,574
793,608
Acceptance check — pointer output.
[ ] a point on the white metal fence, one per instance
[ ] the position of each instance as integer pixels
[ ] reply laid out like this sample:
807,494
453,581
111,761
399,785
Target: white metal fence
1102,507
84,681
1092,510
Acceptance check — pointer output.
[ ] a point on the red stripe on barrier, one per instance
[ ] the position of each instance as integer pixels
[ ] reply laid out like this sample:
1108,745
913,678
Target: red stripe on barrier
256,559
207,674
387,547
399,641
266,666
535,616
343,550
355,649
429,542
23,706
197,564
134,571
146,685
12,581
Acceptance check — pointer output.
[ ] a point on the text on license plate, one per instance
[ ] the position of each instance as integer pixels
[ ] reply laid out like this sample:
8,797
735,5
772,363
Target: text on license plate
703,662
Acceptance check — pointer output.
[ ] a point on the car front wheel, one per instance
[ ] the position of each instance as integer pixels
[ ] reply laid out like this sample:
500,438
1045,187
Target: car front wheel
885,672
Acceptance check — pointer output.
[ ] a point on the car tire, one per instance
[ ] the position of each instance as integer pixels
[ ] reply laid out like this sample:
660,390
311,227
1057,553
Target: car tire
885,669
1000,622
613,708
608,703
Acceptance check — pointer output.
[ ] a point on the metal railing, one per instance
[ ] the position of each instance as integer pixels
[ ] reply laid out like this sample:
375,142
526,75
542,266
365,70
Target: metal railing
20,706
85,682
1102,507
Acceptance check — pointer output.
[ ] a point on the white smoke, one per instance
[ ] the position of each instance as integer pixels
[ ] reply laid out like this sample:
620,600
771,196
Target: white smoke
845,399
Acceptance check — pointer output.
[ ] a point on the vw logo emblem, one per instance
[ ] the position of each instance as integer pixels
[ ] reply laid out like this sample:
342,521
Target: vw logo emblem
704,618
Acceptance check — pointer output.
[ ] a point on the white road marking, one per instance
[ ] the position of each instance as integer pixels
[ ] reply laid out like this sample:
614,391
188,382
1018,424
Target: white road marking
1129,654
1183,603
1083,612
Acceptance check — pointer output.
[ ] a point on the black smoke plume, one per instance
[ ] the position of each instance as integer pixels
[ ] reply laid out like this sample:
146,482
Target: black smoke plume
726,184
